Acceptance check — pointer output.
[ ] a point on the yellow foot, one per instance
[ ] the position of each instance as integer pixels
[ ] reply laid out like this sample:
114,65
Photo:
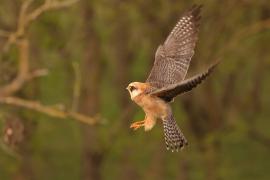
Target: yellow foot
137,125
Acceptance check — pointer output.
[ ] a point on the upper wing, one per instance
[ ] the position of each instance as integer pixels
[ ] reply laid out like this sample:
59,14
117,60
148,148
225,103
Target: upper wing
169,92
173,57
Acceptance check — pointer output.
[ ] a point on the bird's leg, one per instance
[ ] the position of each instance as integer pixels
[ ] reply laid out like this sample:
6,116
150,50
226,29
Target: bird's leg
137,124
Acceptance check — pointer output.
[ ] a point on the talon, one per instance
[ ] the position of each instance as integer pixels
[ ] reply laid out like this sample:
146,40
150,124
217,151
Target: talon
135,128
137,125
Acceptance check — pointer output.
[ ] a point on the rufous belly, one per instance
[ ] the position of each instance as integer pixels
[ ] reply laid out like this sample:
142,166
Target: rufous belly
154,109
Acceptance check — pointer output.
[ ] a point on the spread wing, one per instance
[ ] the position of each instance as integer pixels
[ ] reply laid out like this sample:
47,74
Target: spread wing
169,92
173,57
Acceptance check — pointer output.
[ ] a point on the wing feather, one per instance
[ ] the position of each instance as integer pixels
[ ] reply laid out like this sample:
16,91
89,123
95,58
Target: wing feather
172,59
171,91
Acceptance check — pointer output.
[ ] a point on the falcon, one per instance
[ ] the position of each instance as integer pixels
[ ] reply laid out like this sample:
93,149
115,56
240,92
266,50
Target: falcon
167,79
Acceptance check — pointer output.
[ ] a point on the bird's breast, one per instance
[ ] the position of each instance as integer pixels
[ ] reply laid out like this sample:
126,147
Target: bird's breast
153,106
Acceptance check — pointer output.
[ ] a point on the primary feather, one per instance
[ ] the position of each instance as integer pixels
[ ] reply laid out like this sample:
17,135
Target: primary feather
169,92
172,59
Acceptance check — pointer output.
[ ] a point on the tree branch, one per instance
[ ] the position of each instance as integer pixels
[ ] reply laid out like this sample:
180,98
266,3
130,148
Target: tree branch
49,110
17,37
24,74
49,5
23,70
25,19
76,86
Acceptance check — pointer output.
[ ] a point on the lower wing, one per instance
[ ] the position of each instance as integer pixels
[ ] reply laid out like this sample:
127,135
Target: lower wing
169,92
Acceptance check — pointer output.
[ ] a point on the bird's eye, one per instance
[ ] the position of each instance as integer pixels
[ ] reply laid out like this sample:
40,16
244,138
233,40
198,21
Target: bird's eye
132,88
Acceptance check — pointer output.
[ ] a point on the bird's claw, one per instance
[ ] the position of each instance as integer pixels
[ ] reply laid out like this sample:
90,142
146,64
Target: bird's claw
137,125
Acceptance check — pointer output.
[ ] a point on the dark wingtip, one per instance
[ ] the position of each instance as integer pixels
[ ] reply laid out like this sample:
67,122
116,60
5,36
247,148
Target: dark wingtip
196,9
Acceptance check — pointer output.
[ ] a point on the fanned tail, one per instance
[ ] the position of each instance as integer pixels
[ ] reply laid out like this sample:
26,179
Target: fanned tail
174,138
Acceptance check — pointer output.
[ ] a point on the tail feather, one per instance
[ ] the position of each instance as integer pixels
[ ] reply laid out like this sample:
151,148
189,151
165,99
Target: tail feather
174,138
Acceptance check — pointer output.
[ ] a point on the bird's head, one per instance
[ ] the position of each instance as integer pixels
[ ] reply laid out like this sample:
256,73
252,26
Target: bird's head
135,89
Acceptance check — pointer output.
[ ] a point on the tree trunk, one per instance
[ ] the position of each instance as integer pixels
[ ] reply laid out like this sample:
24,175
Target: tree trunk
89,103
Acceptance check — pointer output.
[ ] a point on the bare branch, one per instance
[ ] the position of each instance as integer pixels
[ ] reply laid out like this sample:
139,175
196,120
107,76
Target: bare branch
76,86
23,22
24,74
49,110
22,14
23,70
49,5
25,19
37,73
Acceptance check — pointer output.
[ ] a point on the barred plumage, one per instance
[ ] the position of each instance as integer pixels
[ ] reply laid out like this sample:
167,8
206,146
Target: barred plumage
174,138
171,91
173,57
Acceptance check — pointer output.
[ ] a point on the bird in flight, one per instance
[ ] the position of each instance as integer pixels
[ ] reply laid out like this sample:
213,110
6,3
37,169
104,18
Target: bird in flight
167,79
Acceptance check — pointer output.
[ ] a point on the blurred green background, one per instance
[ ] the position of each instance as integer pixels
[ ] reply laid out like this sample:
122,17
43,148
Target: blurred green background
93,49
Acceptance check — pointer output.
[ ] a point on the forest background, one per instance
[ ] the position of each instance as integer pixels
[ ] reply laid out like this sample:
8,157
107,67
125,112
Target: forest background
65,112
